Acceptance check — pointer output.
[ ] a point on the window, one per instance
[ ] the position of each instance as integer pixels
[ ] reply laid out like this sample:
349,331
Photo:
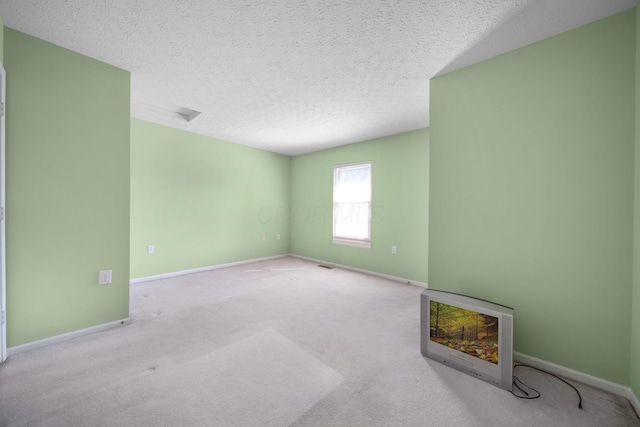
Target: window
352,204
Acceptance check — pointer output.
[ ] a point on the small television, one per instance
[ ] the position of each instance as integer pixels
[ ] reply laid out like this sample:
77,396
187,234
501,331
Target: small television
469,334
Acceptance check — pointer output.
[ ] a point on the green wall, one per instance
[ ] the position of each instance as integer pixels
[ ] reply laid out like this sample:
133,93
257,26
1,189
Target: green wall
635,325
67,189
532,192
202,201
400,183
1,40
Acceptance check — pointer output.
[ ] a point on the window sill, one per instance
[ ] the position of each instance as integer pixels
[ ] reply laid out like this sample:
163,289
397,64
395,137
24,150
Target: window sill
366,244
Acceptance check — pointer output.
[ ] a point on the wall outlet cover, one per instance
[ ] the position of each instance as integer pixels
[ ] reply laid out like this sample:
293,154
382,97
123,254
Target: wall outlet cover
104,277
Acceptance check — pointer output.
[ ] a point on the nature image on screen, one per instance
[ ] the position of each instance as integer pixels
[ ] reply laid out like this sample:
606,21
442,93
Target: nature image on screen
465,330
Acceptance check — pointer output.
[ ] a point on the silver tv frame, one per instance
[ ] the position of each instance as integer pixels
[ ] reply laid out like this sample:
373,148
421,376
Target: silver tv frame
500,375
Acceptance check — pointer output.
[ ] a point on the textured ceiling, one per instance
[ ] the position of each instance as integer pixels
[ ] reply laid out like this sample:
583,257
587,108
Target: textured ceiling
294,76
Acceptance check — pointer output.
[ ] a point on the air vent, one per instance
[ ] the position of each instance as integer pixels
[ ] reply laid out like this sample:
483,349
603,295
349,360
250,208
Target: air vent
188,113
163,108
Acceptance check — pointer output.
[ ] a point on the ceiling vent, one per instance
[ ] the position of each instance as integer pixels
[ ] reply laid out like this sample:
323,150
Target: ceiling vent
188,113
175,111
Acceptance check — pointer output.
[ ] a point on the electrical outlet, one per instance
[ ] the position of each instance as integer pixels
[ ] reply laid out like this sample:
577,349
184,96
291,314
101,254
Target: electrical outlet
264,237
278,236
151,249
104,277
394,250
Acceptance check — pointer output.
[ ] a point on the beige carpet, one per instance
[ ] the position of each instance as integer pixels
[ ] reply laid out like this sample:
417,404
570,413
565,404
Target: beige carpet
278,343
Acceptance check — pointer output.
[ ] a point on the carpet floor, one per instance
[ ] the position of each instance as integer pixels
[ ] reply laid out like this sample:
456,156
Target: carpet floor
274,343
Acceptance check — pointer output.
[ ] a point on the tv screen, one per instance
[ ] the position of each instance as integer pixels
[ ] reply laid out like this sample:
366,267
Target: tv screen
469,334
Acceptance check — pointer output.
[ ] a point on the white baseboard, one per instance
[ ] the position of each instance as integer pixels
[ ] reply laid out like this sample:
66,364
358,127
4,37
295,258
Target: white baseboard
201,269
359,270
12,351
571,374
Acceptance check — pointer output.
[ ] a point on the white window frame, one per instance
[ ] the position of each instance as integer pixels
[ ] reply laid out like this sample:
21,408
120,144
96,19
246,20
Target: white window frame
351,241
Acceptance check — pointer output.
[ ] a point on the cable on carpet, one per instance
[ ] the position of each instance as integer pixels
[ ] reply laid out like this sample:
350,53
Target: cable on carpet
535,393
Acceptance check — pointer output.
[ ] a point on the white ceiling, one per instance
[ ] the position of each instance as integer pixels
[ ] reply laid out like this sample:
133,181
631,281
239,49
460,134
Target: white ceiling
294,76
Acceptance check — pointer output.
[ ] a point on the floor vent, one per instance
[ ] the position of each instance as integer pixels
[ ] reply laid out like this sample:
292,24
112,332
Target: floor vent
325,266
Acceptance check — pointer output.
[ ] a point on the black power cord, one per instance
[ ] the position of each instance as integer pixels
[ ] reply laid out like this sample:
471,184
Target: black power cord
537,393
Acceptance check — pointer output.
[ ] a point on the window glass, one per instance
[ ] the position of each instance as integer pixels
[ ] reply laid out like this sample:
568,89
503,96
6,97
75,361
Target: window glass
352,204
